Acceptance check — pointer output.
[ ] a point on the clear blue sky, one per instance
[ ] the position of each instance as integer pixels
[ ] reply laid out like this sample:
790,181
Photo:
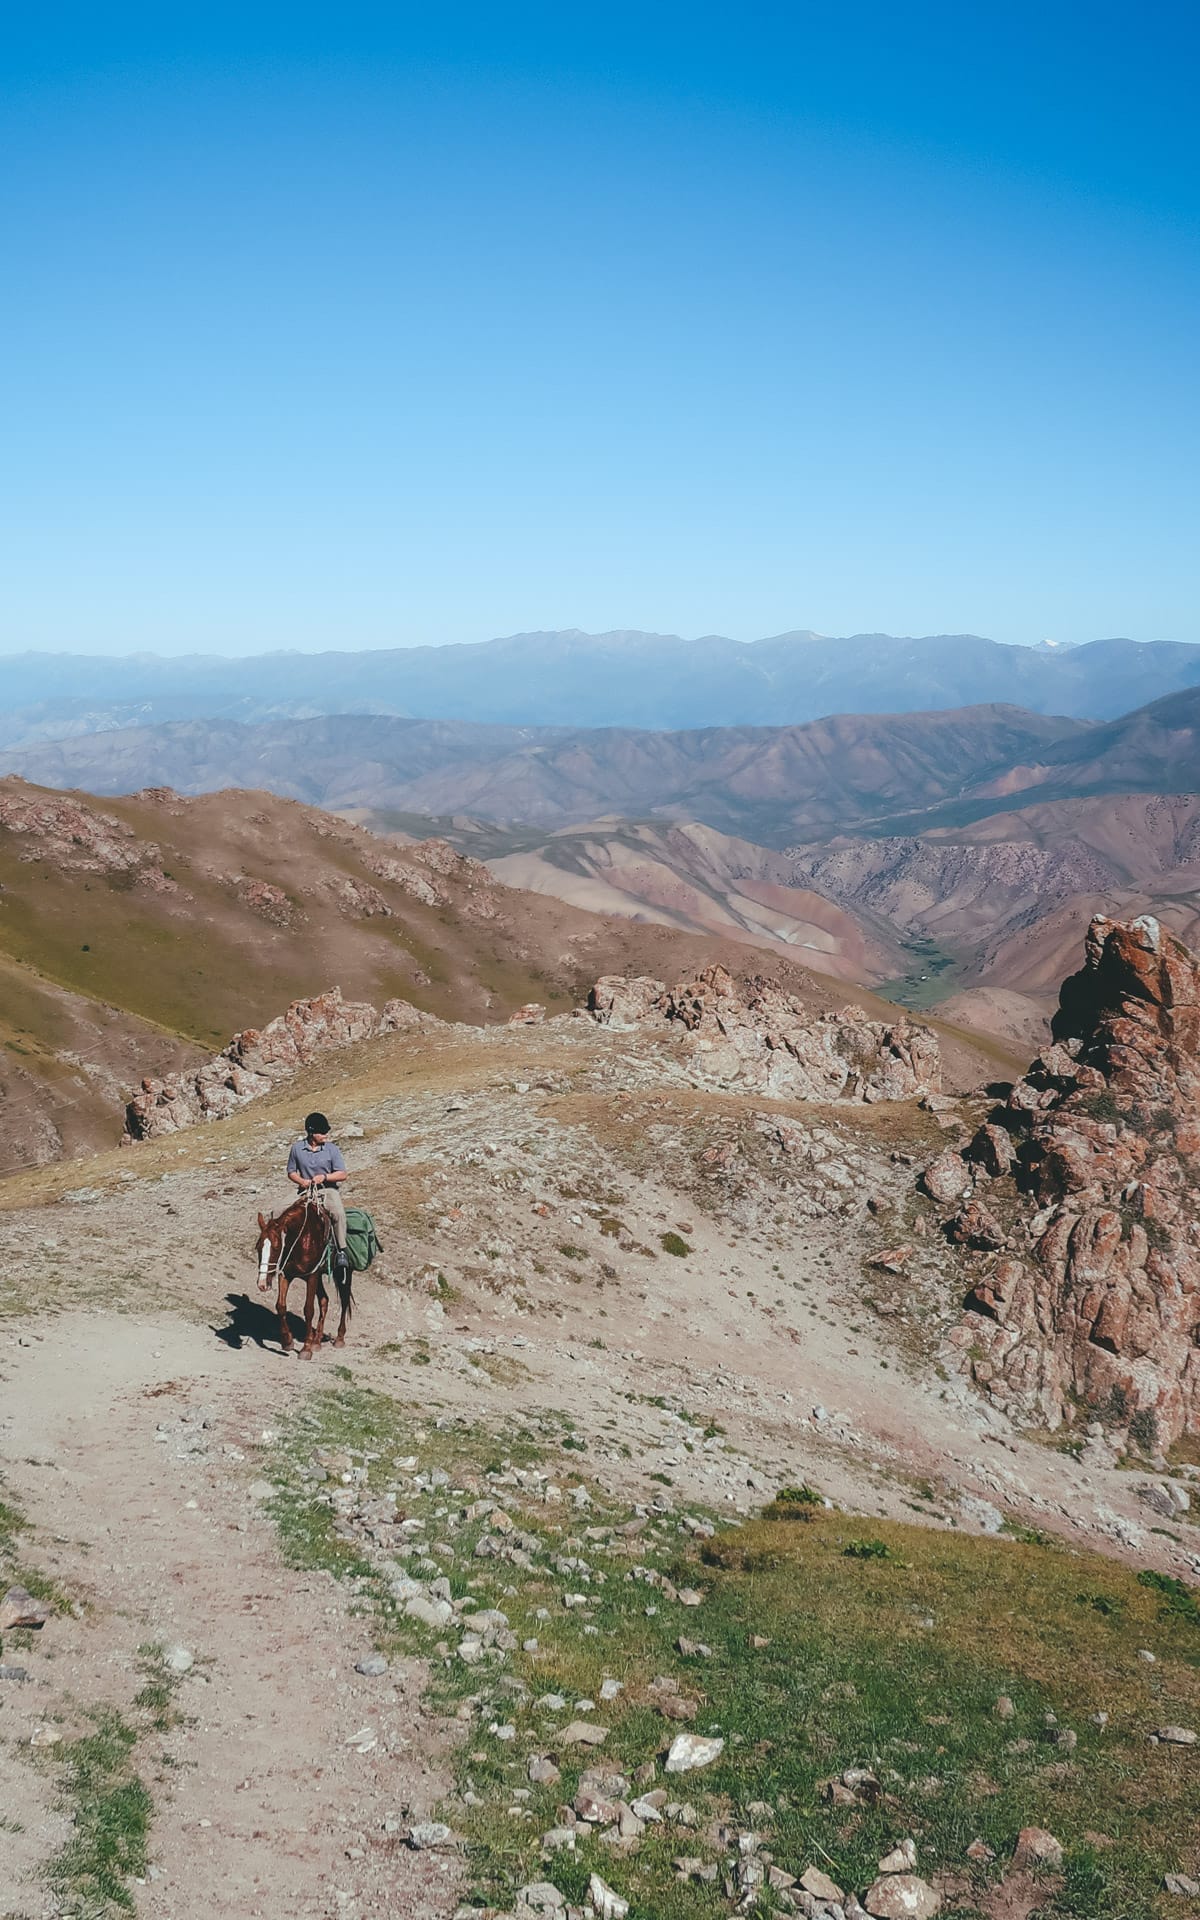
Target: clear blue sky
342,326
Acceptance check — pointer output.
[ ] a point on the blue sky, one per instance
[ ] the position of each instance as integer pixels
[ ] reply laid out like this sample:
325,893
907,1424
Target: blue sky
346,326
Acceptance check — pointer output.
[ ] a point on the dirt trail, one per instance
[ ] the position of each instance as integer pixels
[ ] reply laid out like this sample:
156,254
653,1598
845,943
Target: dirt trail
262,1809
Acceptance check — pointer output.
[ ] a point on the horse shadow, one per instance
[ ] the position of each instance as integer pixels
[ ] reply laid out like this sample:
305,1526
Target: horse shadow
254,1321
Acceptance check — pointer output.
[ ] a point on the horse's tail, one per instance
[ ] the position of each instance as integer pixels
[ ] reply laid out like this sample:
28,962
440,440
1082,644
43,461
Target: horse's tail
343,1279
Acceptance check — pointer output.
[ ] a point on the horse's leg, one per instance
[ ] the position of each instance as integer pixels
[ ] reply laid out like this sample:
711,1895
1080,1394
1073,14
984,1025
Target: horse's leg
323,1297
310,1295
285,1332
341,1332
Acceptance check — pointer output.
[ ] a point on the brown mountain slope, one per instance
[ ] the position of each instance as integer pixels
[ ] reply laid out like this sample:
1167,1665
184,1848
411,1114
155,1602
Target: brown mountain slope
137,935
1010,896
693,877
1155,749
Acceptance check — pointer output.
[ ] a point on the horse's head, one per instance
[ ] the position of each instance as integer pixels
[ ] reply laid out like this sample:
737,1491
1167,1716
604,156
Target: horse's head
267,1248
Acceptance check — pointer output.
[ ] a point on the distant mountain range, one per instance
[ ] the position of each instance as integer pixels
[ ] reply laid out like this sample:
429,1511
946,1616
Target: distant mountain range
948,852
768,784
573,679
884,773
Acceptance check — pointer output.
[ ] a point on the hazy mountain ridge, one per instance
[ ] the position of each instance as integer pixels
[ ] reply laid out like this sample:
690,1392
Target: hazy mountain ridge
769,785
622,679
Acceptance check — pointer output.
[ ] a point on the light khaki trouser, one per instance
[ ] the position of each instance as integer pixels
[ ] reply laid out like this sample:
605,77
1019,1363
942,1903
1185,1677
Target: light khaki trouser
331,1199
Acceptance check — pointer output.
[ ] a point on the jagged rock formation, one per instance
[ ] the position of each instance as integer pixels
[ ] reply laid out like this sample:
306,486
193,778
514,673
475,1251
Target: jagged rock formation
754,1036
254,1061
1084,1185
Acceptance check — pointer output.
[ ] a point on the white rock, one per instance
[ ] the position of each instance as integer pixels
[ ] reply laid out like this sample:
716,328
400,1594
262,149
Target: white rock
901,1859
901,1896
691,1750
429,1833
178,1660
605,1904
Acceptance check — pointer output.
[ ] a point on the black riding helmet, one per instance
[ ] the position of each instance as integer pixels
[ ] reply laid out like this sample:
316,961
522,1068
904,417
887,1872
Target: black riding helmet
317,1123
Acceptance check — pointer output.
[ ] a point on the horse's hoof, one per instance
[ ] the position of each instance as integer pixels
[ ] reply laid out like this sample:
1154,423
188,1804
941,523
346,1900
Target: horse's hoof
307,1353
339,1343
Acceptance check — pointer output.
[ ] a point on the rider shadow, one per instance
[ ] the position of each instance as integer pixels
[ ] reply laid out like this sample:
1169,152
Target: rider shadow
252,1320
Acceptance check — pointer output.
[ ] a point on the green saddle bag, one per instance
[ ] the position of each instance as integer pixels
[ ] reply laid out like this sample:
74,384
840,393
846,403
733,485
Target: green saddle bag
362,1241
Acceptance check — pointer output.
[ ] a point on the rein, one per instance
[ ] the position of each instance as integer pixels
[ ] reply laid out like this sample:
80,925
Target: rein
276,1266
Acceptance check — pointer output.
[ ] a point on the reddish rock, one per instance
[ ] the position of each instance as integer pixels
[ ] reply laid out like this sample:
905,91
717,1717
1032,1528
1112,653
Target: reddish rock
974,1226
18,1608
998,1292
894,1260
947,1178
1103,1134
1037,1848
992,1147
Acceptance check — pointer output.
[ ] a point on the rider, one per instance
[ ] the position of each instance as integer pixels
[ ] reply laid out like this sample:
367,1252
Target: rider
316,1162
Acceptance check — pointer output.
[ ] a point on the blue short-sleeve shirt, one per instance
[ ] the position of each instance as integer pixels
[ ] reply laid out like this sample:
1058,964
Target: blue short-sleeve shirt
312,1162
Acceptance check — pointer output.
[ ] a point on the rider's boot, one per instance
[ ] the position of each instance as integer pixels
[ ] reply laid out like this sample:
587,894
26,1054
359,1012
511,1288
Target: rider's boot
341,1262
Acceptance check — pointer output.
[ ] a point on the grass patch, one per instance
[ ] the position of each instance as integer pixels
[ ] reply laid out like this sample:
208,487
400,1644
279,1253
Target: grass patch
501,1368
822,1651
160,1685
674,1243
15,1570
110,1809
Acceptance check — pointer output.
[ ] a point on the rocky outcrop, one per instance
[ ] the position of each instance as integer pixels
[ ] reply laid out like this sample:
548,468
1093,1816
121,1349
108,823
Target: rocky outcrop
263,897
357,899
753,1035
256,1060
426,867
58,828
1084,1183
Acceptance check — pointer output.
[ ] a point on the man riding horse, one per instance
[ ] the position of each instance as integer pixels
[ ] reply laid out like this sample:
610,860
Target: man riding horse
294,1245
316,1164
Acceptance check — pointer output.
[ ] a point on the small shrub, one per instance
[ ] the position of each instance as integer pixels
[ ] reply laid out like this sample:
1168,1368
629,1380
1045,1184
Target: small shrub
1101,1603
868,1550
1143,1430
1100,1106
1118,1410
673,1243
1175,1597
793,1500
569,1252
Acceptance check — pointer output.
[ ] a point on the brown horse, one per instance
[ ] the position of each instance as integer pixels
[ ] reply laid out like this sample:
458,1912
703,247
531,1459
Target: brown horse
293,1246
